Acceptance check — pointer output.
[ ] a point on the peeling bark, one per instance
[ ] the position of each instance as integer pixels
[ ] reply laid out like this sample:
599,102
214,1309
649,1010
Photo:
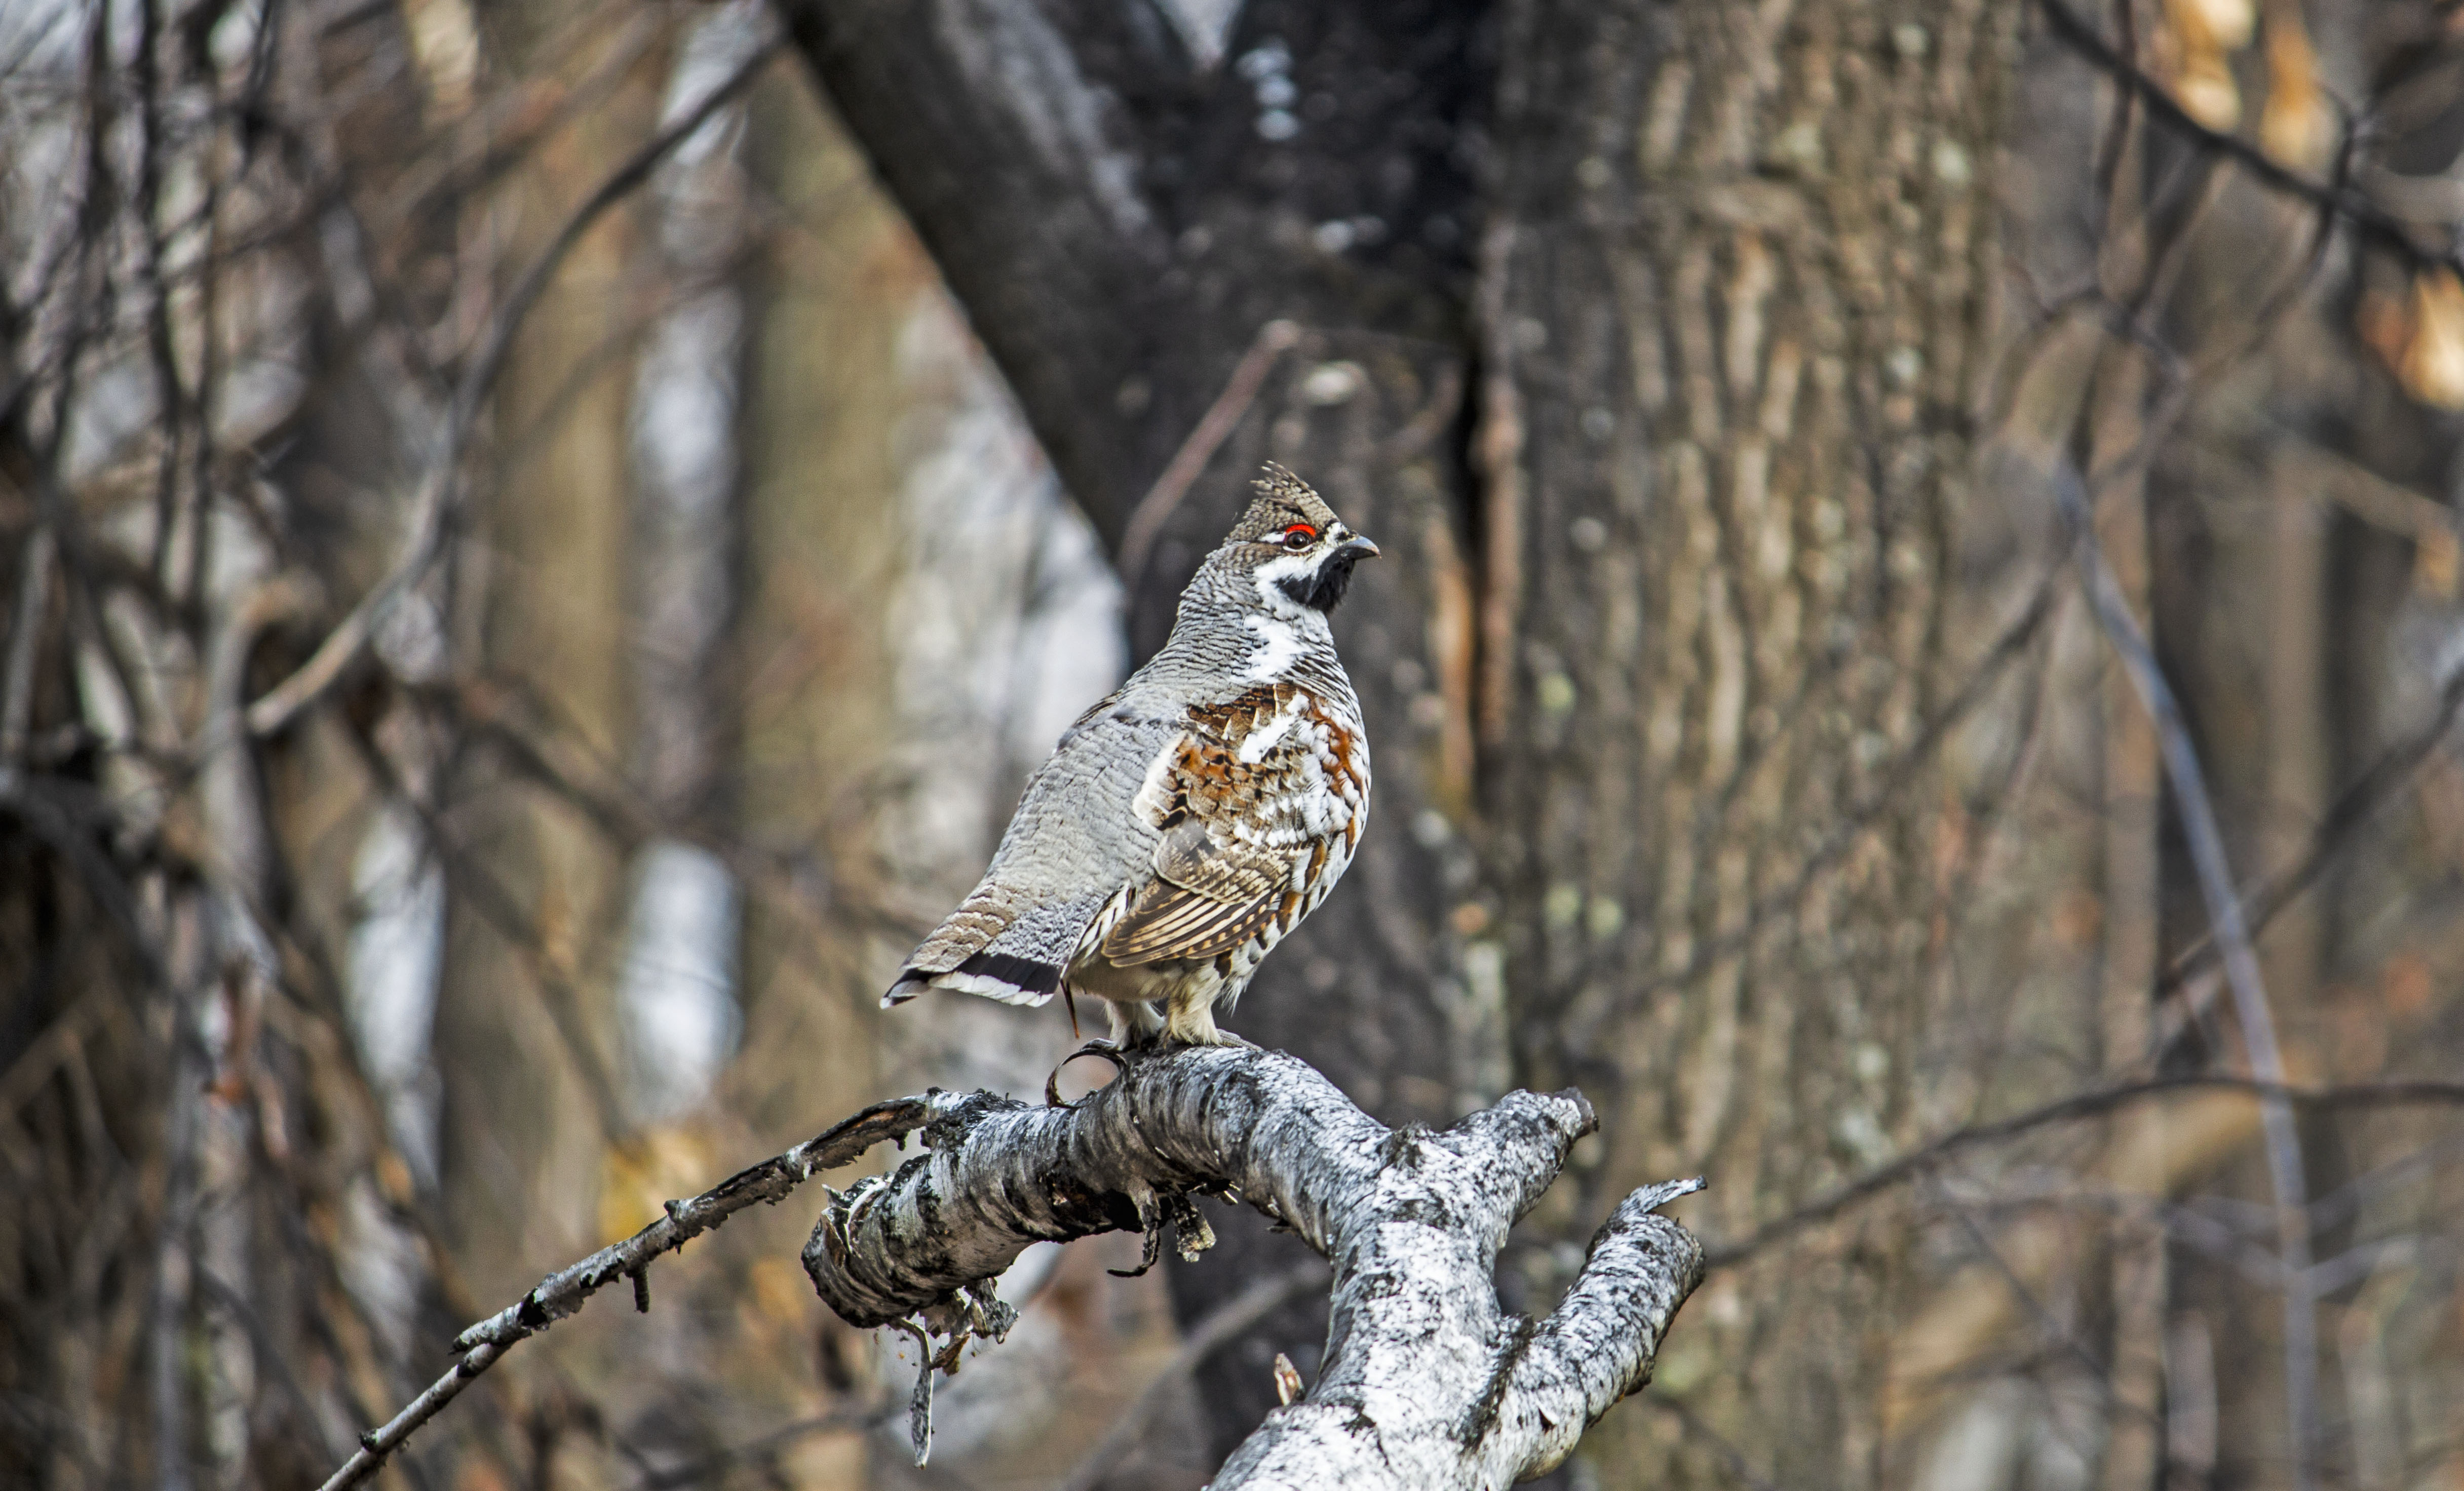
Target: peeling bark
1426,1381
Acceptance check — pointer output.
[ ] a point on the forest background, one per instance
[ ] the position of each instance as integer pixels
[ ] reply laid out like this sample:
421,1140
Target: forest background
542,538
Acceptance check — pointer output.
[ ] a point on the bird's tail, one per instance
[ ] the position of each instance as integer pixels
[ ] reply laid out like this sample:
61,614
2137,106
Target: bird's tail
995,976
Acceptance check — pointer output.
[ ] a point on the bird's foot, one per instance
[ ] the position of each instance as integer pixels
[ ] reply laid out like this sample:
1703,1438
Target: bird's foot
1201,1029
1111,1051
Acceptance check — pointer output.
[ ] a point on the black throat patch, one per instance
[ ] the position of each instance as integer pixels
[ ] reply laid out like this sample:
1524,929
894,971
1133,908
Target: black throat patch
1322,588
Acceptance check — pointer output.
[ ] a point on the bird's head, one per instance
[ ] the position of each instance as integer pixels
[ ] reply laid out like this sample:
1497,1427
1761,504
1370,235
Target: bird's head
1299,554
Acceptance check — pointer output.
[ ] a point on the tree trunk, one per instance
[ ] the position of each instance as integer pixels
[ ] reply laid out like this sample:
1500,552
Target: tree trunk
526,1030
1735,324
1722,430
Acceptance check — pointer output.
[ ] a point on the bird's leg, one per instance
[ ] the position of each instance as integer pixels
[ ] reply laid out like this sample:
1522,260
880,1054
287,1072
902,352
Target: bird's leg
1192,1022
1134,1024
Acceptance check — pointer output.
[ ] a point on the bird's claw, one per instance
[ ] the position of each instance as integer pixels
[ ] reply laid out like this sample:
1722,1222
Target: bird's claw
1119,1055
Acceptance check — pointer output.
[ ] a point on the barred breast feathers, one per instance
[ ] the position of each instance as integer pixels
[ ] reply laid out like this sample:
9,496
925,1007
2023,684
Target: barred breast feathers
1244,803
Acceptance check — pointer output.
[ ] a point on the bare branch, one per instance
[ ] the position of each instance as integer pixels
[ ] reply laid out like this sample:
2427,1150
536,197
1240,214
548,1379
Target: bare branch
439,494
765,1449
1427,1383
560,1294
2367,217
1154,510
2359,802
17,674
2077,1105
2198,819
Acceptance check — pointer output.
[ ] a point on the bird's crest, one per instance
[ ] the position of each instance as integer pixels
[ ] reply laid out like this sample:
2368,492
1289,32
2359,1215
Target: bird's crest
1283,500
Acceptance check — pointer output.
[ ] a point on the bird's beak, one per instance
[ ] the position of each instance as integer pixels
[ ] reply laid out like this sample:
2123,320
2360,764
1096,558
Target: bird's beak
1358,547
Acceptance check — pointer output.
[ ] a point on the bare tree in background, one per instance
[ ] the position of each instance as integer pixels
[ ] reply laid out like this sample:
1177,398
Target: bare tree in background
524,591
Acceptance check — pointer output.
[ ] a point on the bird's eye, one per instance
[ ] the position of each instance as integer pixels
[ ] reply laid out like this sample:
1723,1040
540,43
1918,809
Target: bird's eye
1300,536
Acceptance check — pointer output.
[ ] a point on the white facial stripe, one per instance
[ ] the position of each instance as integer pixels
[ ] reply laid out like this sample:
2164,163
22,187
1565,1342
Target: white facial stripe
1270,589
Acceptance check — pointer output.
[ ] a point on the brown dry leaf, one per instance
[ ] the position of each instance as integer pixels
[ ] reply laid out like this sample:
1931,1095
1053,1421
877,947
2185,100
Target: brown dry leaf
2439,566
479,1473
2406,984
2384,326
1287,1380
774,1312
2432,363
445,41
661,1164
779,1289
2201,35
2296,126
2205,87
2215,25
560,939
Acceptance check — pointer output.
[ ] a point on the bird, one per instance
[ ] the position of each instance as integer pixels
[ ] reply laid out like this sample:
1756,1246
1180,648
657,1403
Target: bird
1192,817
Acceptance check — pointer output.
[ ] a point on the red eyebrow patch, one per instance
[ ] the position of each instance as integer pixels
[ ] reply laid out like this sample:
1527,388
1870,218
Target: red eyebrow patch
1302,529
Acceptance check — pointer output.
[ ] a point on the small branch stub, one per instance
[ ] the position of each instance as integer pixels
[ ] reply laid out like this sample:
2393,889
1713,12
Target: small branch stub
1427,1383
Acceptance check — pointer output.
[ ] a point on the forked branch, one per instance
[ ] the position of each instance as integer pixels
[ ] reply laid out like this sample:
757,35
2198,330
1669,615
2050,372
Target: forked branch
1427,1382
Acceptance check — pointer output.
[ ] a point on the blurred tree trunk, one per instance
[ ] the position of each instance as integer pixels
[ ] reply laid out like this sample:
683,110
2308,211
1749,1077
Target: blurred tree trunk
526,1036
1727,318
213,1258
816,664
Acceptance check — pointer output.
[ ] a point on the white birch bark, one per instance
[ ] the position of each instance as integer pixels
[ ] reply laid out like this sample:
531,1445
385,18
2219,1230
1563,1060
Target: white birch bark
1427,1382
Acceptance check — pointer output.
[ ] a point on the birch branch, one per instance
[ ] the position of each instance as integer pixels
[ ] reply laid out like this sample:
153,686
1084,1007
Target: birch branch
1427,1383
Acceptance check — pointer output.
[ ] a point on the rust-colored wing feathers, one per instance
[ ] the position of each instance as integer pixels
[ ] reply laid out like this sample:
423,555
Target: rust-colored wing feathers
1238,846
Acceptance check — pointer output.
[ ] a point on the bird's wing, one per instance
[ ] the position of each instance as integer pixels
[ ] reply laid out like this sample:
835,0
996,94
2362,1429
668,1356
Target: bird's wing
1227,797
1238,890
1075,843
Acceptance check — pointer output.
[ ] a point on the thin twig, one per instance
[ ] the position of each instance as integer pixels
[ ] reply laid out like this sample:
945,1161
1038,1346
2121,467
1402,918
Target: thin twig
1693,1423
560,1294
768,1445
2358,804
2367,217
440,491
1147,520
63,814
2094,1104
2198,820
480,888
25,629
1218,1329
